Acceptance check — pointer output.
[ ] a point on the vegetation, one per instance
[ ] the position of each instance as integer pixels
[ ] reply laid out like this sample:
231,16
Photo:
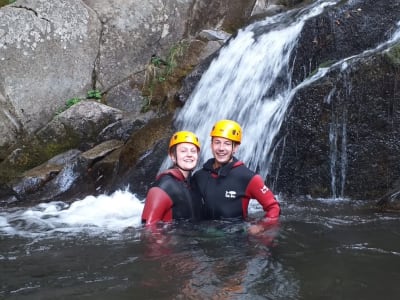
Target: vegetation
71,102
92,94
6,2
325,64
159,70
393,54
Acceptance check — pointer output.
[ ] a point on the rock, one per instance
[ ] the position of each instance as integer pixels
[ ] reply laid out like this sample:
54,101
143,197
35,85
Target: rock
101,150
70,173
214,35
76,128
34,179
339,137
58,40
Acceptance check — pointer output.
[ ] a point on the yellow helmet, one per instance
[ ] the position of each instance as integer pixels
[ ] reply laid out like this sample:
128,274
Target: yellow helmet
184,137
227,129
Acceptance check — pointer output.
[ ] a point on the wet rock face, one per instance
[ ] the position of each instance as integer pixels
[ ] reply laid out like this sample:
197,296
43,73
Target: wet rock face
142,156
341,133
347,29
347,145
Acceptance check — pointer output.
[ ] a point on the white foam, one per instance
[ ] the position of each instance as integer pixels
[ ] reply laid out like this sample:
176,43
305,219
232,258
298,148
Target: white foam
100,214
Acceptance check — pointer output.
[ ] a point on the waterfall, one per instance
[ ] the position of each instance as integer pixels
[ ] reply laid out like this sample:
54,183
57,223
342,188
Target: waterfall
338,150
249,82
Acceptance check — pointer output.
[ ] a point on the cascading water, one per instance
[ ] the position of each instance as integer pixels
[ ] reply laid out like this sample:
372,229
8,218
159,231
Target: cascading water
249,82
338,126
338,140
338,157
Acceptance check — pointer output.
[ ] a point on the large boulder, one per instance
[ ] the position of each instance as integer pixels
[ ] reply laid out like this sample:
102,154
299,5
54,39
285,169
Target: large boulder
79,127
47,50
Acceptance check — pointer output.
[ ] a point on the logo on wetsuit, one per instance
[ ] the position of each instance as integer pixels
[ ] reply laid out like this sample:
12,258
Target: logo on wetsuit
264,189
230,194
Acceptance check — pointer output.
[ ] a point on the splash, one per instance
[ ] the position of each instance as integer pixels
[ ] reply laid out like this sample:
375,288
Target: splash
92,215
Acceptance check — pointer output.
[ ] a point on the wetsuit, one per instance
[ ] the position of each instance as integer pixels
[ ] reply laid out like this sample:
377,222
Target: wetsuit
170,199
226,192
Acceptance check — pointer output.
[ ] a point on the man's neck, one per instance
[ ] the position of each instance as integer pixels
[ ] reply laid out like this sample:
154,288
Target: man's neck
217,165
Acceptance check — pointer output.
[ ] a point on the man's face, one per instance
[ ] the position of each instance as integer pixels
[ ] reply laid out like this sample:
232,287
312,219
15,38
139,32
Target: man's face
223,150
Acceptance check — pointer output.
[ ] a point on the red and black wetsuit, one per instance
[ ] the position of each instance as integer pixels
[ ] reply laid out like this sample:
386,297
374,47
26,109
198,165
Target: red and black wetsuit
170,199
227,191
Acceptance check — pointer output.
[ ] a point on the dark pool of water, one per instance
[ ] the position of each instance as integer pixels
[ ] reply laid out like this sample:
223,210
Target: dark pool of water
322,250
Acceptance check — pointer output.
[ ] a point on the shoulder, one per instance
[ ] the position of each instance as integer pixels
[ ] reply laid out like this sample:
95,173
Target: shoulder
240,168
257,181
156,192
170,174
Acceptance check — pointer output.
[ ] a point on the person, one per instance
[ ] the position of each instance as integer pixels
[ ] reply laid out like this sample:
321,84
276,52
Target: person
170,198
226,185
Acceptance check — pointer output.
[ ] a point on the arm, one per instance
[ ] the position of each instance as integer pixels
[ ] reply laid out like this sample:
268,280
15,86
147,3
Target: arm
259,191
158,207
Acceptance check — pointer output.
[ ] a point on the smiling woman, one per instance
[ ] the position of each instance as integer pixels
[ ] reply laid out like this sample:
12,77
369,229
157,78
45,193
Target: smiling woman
171,197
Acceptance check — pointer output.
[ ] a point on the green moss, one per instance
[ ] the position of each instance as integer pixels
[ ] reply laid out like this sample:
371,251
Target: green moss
325,64
159,71
143,140
35,151
94,94
6,2
393,55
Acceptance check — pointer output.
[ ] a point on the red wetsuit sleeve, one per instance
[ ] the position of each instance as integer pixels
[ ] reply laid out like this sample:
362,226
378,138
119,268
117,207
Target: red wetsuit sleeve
259,191
157,207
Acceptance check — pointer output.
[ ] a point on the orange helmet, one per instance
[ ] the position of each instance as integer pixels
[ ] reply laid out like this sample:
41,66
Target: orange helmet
227,129
184,137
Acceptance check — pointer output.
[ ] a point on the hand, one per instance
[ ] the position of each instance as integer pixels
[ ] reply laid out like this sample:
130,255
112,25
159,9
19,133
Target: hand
255,229
262,225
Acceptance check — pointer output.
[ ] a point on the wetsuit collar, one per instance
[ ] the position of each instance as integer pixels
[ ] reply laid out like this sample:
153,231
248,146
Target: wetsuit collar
224,170
174,172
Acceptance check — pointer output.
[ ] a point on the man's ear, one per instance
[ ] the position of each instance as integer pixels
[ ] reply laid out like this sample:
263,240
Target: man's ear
235,147
172,157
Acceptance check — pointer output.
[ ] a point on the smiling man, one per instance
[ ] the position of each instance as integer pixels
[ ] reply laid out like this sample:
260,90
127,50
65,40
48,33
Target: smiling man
226,185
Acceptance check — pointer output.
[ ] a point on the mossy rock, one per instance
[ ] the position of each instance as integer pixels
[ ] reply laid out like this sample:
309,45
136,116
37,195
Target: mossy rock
393,55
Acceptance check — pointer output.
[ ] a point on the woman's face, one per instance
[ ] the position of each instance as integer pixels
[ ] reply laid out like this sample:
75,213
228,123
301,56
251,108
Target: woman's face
187,156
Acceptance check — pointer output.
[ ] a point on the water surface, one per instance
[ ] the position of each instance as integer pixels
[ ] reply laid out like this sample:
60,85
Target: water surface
323,249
